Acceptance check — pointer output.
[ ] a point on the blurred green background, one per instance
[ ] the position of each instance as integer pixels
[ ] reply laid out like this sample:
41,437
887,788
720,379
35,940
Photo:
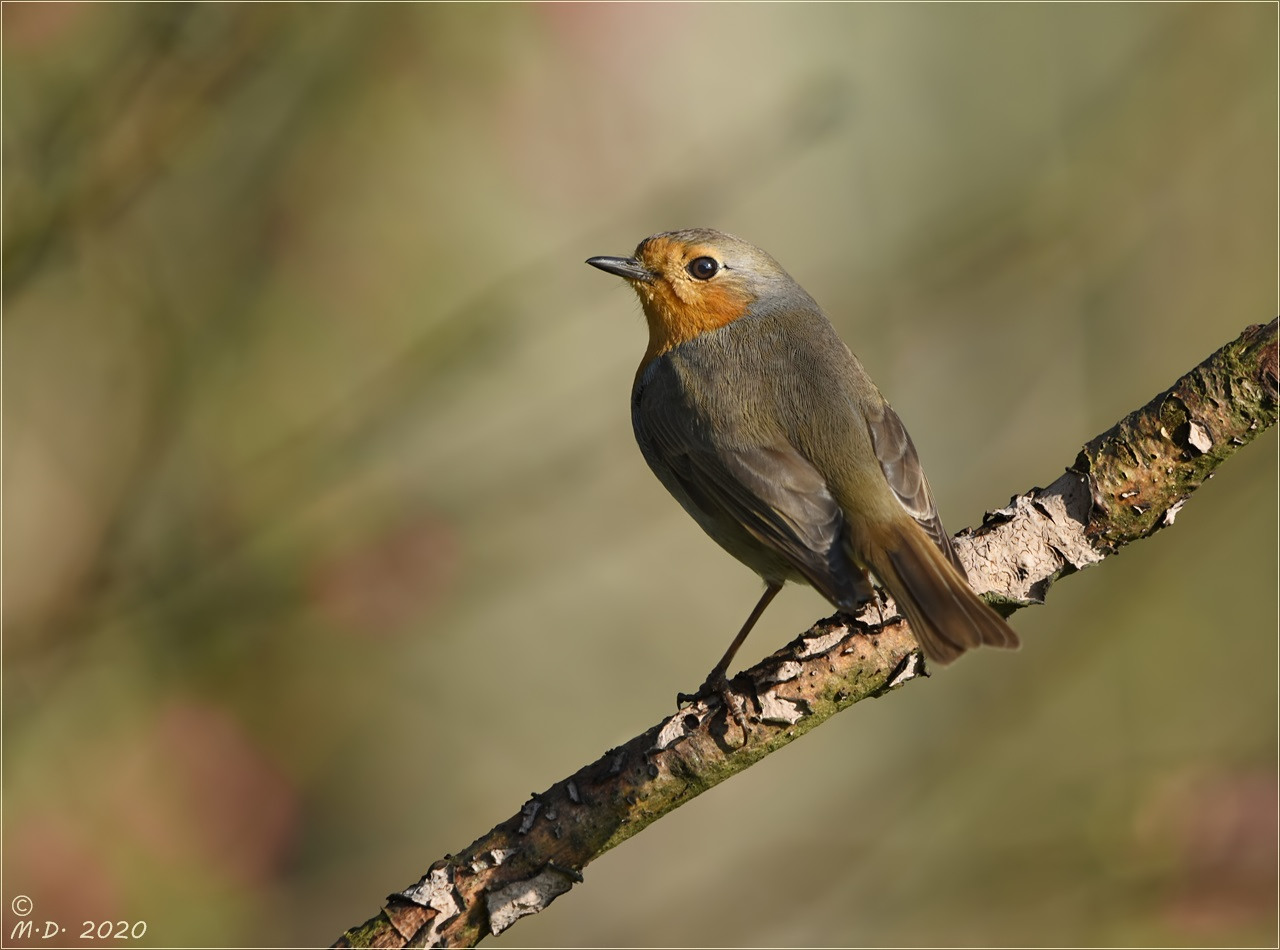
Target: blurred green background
327,540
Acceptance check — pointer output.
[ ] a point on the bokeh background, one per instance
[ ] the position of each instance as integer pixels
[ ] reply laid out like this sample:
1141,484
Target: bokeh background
326,540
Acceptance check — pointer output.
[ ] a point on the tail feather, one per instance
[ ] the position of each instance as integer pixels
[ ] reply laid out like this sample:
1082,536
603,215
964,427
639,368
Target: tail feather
946,616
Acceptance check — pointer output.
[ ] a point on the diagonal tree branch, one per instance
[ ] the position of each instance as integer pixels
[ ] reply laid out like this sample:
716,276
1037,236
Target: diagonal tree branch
1124,485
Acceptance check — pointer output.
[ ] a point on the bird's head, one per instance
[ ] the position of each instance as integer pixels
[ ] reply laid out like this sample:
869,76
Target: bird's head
694,281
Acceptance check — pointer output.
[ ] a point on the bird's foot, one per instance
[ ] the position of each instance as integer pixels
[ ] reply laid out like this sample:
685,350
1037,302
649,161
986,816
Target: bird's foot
862,613
717,685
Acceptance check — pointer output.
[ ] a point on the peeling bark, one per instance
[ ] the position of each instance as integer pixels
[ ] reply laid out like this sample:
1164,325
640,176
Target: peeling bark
1124,485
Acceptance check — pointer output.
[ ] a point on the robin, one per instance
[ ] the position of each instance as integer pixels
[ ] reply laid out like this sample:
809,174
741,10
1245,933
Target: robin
764,426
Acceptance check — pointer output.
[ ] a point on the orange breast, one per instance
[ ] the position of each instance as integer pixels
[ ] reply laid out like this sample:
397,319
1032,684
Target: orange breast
679,309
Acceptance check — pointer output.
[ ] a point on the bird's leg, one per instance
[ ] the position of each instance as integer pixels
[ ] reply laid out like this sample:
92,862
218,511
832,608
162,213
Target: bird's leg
716,678
716,682
878,597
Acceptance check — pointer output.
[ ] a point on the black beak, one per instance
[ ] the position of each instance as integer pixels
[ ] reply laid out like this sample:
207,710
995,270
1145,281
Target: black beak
626,267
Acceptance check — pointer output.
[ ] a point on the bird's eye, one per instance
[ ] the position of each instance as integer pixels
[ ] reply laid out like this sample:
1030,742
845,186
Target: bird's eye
703,268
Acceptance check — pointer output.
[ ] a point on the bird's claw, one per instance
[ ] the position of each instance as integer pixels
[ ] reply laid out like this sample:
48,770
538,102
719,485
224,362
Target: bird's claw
718,686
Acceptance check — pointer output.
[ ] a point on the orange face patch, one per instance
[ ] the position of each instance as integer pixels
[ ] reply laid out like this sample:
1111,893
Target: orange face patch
678,306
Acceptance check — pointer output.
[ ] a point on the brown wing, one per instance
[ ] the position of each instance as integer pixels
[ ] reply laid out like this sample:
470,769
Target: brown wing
771,491
901,467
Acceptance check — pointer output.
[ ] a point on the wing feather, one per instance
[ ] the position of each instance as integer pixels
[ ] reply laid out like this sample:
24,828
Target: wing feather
771,491
901,466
